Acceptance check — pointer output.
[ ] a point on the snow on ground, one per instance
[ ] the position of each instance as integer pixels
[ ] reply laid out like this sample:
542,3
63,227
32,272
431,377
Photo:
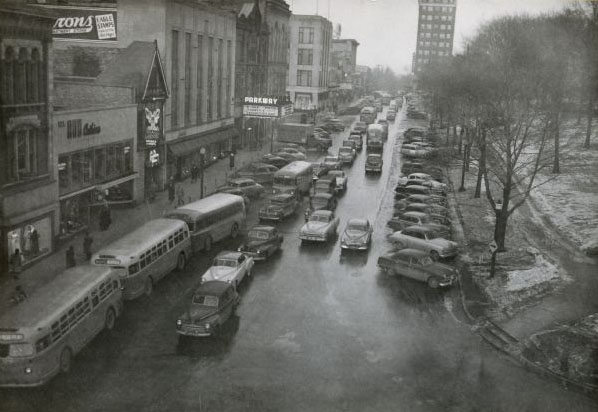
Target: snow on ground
542,271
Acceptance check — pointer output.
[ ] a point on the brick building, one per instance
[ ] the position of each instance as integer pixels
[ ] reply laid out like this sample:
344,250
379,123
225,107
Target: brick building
435,31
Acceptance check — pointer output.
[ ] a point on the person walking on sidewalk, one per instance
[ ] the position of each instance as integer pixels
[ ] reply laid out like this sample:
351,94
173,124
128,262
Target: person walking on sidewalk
194,173
171,189
70,257
16,263
180,195
87,241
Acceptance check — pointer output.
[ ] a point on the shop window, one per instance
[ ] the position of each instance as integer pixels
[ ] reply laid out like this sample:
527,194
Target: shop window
77,169
100,164
86,165
32,240
128,163
111,161
64,172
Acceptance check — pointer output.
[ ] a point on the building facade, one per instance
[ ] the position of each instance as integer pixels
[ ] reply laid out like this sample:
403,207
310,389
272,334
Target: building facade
309,60
277,19
28,199
343,68
435,31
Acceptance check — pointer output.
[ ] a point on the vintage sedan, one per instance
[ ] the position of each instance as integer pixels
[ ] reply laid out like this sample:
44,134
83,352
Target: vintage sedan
340,179
418,265
357,235
430,208
360,127
346,154
259,172
291,157
321,226
402,221
229,266
333,162
428,199
373,163
426,239
275,160
248,186
319,169
322,201
212,304
262,242
279,207
391,115
357,139
325,185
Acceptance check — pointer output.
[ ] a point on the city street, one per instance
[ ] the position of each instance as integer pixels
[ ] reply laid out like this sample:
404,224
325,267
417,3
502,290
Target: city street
315,330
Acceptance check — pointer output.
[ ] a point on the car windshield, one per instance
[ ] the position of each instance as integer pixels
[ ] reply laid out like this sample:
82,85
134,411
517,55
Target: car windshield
323,184
284,180
206,300
277,202
336,173
258,234
362,227
319,218
347,150
373,159
319,202
225,262
331,159
425,261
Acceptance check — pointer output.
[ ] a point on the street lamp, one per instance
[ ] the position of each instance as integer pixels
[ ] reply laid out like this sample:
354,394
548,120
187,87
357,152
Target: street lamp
202,156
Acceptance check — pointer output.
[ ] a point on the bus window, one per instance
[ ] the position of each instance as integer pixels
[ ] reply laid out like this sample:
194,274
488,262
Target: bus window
95,300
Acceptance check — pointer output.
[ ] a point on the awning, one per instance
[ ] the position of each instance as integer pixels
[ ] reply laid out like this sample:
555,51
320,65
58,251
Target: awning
194,143
115,182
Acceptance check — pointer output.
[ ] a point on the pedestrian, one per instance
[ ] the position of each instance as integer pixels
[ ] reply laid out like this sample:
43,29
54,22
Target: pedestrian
87,241
70,257
105,219
194,173
180,194
16,263
171,189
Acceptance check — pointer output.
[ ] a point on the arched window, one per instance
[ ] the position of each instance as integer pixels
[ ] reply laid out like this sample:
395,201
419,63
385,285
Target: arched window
8,74
20,84
33,77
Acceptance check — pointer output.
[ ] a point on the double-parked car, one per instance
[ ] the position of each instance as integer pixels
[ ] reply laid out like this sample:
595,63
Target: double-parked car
262,242
259,172
321,226
418,265
279,207
229,266
426,239
247,186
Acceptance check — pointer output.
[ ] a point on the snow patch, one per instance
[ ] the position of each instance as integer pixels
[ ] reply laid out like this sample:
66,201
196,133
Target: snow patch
542,271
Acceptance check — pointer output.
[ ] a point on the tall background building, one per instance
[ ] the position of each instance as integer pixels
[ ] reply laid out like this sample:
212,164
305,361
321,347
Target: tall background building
435,31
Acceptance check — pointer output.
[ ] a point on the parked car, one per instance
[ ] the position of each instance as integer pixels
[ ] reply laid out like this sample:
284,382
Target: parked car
279,207
435,187
321,226
262,242
426,239
402,221
357,139
373,163
236,191
322,132
320,169
352,144
428,199
259,172
357,235
285,145
291,157
229,266
322,201
274,160
412,167
429,208
360,127
340,179
299,154
333,162
212,304
418,265
391,115
414,131
334,125
325,185
346,154
248,186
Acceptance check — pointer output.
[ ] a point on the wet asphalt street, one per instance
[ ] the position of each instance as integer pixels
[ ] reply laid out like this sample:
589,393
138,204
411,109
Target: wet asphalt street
315,331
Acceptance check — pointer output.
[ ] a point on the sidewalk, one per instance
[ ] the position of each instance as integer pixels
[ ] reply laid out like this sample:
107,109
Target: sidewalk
123,222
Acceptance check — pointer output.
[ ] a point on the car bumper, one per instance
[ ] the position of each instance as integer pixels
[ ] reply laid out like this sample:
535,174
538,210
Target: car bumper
313,238
195,331
361,246
448,253
447,282
275,218
256,256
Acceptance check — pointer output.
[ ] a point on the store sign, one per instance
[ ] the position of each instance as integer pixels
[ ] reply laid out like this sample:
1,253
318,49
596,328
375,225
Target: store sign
152,126
153,157
286,110
265,107
91,128
260,111
85,24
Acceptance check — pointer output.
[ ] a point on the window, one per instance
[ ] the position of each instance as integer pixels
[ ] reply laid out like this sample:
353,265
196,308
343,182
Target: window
304,78
188,82
199,83
174,81
219,99
305,56
306,35
229,77
27,154
210,84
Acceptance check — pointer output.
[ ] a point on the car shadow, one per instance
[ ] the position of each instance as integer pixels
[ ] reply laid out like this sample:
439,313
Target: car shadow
353,257
210,346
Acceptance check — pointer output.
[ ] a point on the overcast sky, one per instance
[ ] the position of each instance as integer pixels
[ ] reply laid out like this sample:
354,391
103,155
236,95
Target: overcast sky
387,29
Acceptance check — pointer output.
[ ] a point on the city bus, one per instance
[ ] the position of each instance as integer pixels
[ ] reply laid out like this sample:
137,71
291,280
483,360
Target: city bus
40,336
212,219
146,255
368,115
295,178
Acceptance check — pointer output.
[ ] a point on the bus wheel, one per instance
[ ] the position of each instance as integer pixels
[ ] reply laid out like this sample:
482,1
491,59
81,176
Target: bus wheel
109,319
149,286
65,360
234,231
207,245
181,262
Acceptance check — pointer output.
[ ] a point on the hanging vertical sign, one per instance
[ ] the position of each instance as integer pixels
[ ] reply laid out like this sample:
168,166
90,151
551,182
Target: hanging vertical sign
152,124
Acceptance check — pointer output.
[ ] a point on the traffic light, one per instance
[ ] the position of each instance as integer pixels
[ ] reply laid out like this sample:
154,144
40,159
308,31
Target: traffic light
231,160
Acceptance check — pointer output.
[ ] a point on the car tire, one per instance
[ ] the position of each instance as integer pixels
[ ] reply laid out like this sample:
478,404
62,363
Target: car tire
181,262
433,282
66,358
234,231
148,287
109,319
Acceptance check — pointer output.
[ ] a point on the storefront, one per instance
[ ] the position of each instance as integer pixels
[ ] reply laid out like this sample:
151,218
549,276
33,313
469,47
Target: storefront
184,153
95,161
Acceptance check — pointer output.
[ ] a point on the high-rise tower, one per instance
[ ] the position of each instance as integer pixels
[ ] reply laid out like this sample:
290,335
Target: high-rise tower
435,31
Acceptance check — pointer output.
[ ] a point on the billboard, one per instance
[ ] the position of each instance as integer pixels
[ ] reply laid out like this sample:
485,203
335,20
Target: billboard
85,24
266,107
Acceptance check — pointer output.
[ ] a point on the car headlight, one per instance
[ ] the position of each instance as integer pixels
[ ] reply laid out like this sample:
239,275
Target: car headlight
207,325
179,323
259,252
240,249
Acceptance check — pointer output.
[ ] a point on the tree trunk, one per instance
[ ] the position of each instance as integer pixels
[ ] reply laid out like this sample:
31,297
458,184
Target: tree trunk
500,229
481,165
461,139
590,114
556,166
467,149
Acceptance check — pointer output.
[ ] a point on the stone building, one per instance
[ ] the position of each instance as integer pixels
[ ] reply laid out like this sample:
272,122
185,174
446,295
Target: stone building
435,31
